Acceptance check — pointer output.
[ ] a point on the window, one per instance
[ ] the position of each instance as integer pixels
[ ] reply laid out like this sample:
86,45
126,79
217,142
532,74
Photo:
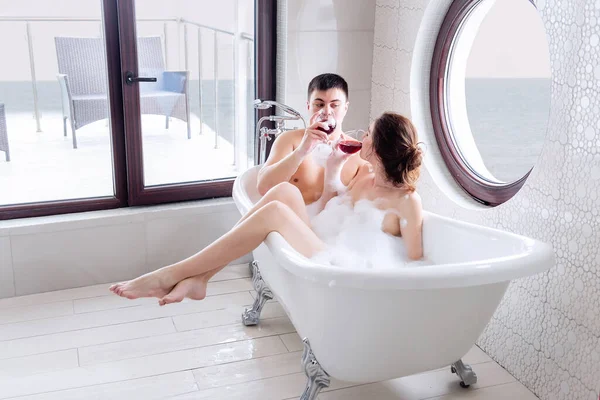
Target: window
79,129
490,95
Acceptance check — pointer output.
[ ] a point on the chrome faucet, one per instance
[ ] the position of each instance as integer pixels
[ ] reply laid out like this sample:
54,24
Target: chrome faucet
264,134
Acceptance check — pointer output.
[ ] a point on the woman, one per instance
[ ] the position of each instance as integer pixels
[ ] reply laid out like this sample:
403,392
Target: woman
393,163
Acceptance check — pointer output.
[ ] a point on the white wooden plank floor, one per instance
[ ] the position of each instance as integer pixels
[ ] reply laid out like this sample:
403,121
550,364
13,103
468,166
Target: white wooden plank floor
86,343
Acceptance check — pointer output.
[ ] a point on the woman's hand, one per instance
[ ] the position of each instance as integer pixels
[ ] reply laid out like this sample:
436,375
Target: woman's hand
337,158
333,168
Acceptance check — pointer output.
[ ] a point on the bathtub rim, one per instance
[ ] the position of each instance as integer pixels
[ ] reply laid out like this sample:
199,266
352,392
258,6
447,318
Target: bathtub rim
437,276
534,258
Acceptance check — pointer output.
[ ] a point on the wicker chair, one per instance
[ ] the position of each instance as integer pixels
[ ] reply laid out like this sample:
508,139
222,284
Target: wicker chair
4,134
83,82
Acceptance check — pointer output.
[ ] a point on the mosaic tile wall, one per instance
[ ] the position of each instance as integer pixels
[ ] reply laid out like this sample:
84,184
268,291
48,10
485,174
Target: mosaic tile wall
546,332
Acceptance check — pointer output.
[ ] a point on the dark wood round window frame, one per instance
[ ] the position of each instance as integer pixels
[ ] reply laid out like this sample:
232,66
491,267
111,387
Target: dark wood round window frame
483,191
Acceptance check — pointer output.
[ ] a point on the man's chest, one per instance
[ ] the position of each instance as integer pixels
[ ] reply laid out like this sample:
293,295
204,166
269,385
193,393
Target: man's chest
309,179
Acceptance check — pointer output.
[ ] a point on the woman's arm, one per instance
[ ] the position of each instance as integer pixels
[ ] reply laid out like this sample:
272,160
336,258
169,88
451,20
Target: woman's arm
332,185
411,226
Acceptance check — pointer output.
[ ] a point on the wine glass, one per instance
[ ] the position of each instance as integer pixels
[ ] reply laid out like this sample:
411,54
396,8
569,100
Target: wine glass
351,146
357,134
329,120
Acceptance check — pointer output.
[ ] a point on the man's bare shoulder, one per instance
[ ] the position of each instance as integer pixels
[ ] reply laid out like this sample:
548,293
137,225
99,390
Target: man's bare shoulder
293,137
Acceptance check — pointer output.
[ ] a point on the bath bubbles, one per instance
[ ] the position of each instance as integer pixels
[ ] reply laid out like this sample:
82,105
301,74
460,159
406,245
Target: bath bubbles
321,153
354,237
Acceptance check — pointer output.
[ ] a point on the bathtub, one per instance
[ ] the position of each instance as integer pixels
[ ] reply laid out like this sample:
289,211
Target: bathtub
366,325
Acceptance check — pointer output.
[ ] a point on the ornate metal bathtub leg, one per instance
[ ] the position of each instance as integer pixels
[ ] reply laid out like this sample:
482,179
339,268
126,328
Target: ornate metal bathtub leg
465,373
251,267
263,294
317,377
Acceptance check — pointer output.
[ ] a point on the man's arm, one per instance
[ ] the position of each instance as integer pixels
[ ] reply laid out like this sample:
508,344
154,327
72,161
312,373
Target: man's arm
285,157
282,164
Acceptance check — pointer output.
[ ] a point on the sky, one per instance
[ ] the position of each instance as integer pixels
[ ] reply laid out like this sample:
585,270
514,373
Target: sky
511,42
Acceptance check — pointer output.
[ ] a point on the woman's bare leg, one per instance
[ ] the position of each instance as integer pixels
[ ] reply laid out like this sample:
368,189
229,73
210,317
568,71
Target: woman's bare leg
195,286
243,238
286,193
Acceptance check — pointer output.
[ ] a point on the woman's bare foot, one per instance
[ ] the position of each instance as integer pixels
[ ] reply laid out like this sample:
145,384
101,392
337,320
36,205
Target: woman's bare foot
154,284
193,288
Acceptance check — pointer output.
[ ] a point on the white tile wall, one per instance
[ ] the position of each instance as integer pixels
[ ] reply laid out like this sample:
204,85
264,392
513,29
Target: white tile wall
349,54
7,287
72,258
359,110
68,251
172,239
330,36
331,15
546,331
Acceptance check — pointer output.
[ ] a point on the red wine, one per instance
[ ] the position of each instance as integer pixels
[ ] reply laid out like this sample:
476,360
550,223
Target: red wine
327,131
350,146
331,123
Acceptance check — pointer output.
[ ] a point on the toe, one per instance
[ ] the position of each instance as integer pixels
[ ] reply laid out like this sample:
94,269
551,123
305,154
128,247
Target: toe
169,299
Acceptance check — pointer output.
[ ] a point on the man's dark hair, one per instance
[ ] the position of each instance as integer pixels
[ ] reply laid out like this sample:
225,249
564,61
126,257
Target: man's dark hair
325,82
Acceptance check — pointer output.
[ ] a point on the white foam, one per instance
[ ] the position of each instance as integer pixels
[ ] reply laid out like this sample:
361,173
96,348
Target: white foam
355,239
321,153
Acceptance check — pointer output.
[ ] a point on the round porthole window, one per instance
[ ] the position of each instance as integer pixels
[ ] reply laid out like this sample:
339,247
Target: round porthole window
490,95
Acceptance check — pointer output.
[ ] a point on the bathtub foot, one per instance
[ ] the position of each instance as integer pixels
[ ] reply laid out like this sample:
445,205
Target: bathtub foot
465,373
251,267
263,294
317,377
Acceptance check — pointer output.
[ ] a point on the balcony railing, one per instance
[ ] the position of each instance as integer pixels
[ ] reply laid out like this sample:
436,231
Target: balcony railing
182,26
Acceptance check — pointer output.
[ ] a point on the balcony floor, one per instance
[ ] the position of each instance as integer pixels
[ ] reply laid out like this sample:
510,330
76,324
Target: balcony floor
45,167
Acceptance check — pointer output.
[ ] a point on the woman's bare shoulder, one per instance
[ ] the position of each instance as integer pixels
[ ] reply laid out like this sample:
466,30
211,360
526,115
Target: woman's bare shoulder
364,169
410,204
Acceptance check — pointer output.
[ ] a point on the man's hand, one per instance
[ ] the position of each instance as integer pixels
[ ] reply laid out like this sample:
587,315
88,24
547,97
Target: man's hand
312,137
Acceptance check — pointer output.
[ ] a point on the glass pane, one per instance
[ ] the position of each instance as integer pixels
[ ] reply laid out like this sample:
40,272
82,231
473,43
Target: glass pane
188,46
500,89
53,85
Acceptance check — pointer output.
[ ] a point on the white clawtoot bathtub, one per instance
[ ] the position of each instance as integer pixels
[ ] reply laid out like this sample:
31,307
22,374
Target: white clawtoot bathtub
371,325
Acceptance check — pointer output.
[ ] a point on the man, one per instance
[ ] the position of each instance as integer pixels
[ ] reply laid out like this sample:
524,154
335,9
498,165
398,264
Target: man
291,160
